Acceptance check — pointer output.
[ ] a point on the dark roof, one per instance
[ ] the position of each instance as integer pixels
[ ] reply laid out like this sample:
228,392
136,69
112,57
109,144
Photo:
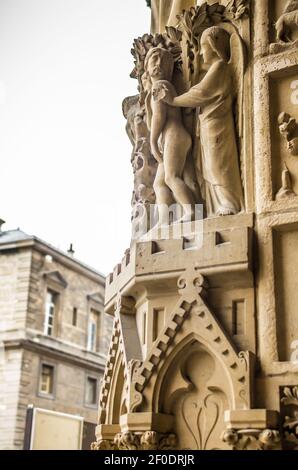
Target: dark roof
15,236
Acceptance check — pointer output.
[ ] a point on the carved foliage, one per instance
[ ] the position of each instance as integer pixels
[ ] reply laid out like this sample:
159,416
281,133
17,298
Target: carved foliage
149,440
252,439
192,24
289,403
141,46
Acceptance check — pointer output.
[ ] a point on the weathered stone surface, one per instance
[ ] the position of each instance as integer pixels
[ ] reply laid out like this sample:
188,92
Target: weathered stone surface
212,312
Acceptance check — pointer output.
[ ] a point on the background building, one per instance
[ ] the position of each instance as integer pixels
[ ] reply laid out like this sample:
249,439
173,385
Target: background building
53,333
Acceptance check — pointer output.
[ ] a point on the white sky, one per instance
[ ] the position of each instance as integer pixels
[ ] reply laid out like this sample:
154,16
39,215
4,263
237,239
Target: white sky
64,154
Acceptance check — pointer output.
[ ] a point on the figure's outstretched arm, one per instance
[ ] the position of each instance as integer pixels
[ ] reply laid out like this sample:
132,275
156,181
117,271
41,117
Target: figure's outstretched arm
159,111
200,94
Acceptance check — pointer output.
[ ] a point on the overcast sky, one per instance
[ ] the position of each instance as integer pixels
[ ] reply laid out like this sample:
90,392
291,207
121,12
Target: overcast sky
64,154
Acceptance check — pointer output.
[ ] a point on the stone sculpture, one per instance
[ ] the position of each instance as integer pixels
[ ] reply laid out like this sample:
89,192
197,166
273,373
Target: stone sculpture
143,164
289,404
164,12
286,189
288,22
170,141
192,321
289,130
222,188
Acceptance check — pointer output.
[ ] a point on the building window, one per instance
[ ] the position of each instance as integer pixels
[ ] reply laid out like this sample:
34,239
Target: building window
51,307
46,383
91,391
74,316
93,330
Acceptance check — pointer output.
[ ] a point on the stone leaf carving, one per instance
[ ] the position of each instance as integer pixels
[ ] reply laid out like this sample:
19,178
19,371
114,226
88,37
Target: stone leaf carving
103,444
164,12
141,46
193,22
127,441
143,164
148,440
152,440
290,425
252,439
236,9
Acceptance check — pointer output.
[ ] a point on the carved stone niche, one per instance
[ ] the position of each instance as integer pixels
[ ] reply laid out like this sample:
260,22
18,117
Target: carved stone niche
284,25
284,132
196,392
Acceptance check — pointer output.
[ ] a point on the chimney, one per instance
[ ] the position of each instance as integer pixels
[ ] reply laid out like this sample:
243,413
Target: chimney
70,250
2,222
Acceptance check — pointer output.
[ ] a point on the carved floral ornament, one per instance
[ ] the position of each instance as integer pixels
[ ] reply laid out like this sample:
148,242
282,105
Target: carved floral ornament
290,425
149,440
252,439
236,8
190,23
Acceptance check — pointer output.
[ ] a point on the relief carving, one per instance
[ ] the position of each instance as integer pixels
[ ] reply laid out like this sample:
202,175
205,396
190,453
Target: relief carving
220,177
103,444
164,12
289,402
286,28
287,24
286,190
127,441
193,22
185,145
196,399
143,163
148,440
252,439
152,440
288,128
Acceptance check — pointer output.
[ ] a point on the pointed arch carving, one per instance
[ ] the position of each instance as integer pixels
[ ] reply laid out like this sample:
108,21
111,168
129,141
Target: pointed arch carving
209,332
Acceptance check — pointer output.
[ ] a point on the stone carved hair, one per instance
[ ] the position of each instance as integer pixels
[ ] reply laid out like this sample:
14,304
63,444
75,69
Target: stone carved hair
219,41
167,55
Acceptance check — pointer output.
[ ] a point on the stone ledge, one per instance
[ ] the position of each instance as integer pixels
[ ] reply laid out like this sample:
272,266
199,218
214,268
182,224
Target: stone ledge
214,252
251,419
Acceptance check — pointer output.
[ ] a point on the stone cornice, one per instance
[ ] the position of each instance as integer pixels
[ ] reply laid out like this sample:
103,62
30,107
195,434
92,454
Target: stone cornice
74,355
58,255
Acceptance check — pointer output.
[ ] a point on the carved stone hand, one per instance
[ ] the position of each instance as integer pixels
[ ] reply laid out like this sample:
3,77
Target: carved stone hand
162,93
